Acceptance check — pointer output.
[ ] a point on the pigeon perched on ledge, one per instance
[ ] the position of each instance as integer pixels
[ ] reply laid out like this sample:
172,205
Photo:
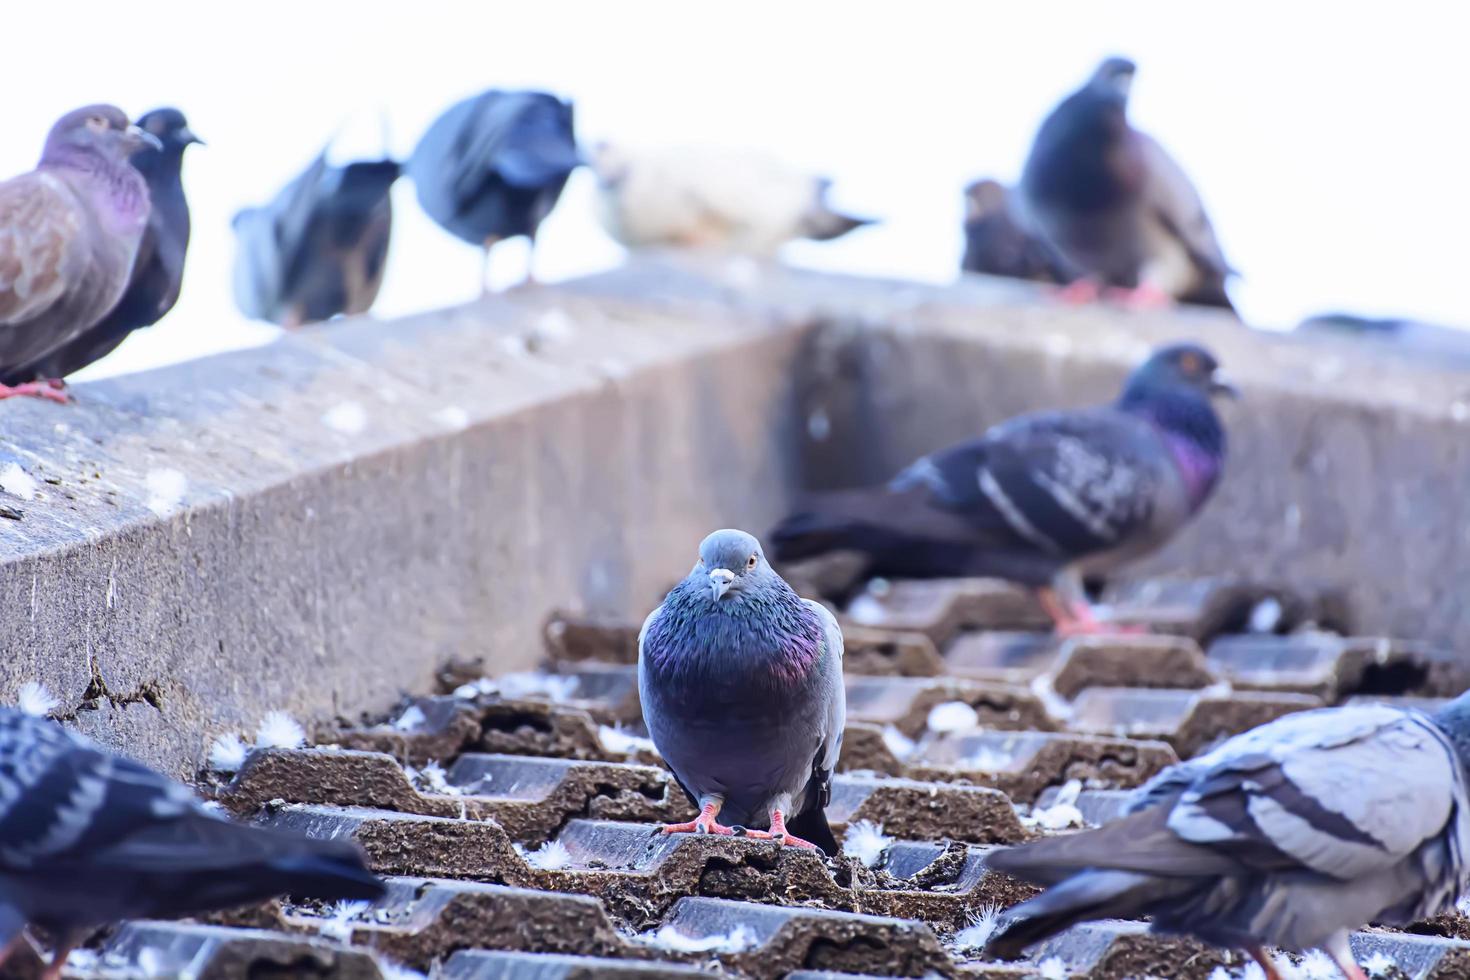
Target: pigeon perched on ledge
1116,206
1041,499
997,243
704,197
69,234
1288,835
88,838
741,684
493,166
158,272
319,248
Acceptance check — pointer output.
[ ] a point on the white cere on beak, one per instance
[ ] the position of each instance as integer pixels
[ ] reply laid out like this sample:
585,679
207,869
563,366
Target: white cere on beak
719,581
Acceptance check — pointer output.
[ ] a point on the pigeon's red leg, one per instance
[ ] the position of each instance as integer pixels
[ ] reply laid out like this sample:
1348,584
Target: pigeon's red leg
1267,965
49,390
705,823
1079,292
1077,619
58,961
1146,296
778,832
10,945
1055,608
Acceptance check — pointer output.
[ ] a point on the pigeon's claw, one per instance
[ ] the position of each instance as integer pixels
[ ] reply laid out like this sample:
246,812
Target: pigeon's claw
1078,619
705,823
1080,292
780,834
1146,296
51,390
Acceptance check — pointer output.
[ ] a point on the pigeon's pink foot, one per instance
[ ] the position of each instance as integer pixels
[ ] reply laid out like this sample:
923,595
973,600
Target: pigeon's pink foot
1146,296
778,832
705,823
1080,292
52,390
1077,619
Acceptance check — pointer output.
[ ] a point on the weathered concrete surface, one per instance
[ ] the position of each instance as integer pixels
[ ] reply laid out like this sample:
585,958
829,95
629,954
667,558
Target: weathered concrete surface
317,524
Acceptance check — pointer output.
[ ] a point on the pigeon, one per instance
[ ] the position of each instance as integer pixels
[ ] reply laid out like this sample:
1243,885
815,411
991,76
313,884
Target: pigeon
1042,499
1287,835
90,838
1116,206
493,166
319,248
69,234
158,271
997,243
741,685
700,197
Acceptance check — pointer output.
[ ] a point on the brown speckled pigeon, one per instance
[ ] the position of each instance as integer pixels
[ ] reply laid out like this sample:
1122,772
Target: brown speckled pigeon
1041,499
1288,835
69,234
741,683
88,838
1116,205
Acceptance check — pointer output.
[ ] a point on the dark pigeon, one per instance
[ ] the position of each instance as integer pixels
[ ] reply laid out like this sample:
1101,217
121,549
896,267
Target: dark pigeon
997,242
158,271
1042,499
1116,206
1288,835
90,838
69,234
1435,341
320,247
741,685
493,166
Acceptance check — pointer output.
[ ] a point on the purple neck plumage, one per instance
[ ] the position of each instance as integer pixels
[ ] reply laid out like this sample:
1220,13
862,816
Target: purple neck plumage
1192,432
115,189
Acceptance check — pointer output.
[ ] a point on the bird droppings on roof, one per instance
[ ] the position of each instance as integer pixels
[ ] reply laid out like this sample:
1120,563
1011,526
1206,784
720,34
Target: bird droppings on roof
348,418
15,481
166,490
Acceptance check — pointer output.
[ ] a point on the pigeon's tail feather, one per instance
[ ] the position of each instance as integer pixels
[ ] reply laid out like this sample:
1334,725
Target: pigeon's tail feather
823,224
1210,293
1089,895
330,874
812,826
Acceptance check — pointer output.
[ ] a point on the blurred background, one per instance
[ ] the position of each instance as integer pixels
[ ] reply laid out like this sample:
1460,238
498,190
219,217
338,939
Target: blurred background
1327,140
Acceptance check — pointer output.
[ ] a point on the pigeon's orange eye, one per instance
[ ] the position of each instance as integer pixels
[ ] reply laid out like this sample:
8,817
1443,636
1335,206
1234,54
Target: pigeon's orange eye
96,122
750,562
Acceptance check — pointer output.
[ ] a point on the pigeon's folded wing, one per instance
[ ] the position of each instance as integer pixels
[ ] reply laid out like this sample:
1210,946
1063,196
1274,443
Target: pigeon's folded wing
836,706
1359,796
1174,201
40,228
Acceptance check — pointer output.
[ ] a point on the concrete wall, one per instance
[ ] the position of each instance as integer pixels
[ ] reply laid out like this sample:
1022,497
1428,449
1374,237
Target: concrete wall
316,525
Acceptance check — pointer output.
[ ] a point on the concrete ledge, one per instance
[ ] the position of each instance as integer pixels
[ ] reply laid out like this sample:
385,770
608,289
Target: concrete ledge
317,524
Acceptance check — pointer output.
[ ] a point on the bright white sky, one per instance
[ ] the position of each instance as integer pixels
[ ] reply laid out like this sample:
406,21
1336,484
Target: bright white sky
1328,139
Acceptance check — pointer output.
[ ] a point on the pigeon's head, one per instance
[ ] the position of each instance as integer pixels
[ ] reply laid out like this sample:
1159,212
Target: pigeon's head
731,562
1114,77
171,129
97,131
1186,366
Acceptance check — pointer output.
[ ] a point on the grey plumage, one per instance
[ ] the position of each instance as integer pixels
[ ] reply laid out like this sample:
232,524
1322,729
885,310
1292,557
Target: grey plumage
1114,203
69,234
88,838
1288,835
319,248
997,242
742,693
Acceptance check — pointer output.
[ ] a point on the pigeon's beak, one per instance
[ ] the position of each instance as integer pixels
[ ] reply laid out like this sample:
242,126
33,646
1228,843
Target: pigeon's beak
186,136
719,581
136,138
1220,385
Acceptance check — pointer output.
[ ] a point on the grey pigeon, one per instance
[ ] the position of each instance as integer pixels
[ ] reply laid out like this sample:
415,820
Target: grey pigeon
88,838
1041,499
1116,205
997,241
493,166
741,684
1288,835
69,234
319,248
158,271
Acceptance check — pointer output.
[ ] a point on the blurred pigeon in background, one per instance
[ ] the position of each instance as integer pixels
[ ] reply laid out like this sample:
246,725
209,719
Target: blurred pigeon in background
738,201
998,244
158,271
1116,205
69,234
320,247
90,838
1288,835
1434,340
493,166
741,685
1042,499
